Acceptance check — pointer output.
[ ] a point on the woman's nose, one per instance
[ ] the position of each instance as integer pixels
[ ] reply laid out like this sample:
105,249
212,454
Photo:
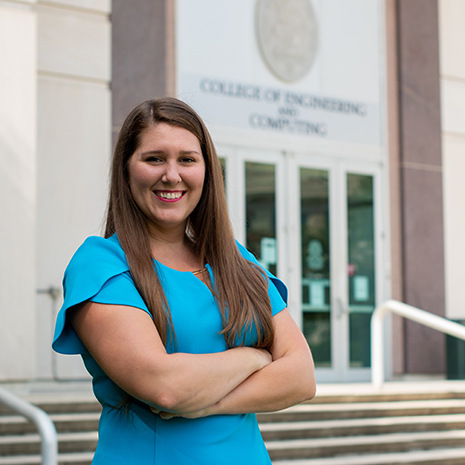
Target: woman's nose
171,174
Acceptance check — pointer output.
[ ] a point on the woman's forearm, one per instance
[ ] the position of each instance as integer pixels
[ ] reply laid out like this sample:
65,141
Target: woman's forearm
128,348
285,382
190,382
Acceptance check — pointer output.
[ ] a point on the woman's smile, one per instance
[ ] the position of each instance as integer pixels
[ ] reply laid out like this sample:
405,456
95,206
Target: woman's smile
169,196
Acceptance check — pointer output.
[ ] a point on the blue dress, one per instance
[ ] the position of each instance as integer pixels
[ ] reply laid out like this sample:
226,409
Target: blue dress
99,272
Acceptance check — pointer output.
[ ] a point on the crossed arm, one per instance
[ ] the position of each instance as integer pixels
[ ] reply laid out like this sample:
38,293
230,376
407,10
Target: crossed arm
126,344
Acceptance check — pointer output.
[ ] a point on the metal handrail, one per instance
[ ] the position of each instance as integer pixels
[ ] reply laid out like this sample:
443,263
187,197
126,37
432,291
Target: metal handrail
42,421
411,313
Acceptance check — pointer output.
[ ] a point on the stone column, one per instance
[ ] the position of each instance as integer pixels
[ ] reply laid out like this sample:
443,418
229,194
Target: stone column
74,147
421,179
143,55
18,168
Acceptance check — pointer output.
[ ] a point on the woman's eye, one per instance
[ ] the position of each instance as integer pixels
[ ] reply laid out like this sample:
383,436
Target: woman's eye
153,159
187,160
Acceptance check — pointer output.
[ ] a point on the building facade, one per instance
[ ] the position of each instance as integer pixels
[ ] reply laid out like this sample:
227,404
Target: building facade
340,131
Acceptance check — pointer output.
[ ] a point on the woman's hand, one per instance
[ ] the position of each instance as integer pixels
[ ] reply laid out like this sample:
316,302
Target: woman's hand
190,416
264,357
163,415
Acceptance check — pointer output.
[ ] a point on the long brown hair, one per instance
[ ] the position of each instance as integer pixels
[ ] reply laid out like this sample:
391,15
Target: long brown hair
240,287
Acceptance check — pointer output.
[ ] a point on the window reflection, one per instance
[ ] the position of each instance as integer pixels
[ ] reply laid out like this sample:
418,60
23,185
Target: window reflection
316,283
361,268
260,198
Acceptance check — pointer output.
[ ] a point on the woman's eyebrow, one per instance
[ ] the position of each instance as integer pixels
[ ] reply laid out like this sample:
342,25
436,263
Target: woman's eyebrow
188,152
153,152
162,152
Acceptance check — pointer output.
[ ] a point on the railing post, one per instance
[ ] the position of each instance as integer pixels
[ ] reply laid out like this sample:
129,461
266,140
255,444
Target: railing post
412,313
48,435
377,347
42,421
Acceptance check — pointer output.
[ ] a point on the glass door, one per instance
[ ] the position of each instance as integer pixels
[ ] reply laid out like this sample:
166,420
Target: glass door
260,211
361,272
340,248
257,205
316,222
315,255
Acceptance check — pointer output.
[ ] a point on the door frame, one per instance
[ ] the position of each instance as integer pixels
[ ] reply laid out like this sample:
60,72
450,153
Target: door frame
338,169
288,233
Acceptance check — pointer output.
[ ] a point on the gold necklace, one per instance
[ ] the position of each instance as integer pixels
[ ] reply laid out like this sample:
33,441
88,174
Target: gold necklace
202,270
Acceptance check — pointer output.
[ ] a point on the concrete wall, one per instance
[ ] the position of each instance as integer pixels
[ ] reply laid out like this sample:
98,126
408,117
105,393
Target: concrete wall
74,148
18,170
452,44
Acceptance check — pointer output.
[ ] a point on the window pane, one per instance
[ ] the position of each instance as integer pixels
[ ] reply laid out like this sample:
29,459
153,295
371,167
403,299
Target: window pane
316,284
260,198
361,276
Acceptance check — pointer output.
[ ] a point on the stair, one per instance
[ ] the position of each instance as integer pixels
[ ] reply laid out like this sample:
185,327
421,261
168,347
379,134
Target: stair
406,425
76,422
384,428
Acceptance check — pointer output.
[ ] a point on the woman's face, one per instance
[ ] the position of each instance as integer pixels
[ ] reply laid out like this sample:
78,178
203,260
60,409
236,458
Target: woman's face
166,176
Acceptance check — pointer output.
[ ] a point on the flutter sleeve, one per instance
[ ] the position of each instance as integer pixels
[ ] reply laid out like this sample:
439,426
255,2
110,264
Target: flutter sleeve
277,290
97,272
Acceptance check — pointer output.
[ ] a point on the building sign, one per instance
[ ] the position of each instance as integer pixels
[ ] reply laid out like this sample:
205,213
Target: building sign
303,68
287,36
281,110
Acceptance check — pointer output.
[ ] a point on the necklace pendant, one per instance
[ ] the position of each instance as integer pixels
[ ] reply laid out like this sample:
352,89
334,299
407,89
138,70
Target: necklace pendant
202,270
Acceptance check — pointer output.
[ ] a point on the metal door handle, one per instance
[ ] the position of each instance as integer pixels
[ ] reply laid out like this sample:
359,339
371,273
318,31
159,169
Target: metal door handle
340,309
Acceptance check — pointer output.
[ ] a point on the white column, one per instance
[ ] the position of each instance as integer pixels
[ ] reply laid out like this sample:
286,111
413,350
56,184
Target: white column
74,149
452,68
17,189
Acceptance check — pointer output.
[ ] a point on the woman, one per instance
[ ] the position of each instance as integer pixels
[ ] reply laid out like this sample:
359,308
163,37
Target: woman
184,334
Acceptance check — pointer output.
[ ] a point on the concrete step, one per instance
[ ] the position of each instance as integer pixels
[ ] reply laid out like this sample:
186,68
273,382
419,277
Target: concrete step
76,458
429,457
380,444
23,444
363,426
58,405
382,428
327,398
64,422
314,412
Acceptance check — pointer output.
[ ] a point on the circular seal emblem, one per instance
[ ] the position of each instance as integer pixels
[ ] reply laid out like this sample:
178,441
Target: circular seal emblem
287,36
